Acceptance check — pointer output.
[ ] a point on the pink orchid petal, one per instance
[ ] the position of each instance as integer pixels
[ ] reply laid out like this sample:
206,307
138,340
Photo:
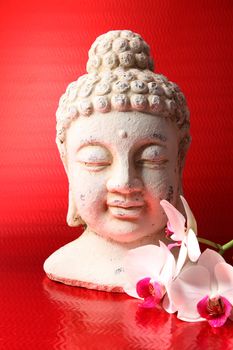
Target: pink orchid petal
193,246
181,258
169,227
159,291
228,306
176,220
202,307
142,262
182,315
214,320
168,304
149,302
164,248
224,276
208,259
218,322
142,287
152,292
188,289
173,245
168,270
191,221
153,300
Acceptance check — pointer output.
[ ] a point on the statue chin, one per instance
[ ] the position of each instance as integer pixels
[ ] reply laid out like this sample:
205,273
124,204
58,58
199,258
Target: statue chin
122,133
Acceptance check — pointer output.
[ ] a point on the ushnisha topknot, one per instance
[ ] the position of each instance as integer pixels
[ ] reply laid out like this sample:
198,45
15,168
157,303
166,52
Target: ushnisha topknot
120,77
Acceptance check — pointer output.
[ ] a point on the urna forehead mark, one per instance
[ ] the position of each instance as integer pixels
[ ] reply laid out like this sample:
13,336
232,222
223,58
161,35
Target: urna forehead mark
122,134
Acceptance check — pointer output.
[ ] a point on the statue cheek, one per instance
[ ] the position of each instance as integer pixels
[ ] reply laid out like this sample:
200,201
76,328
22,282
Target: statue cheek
156,182
90,197
164,187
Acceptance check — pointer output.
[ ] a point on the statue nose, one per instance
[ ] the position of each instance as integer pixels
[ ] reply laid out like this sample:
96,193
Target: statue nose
124,180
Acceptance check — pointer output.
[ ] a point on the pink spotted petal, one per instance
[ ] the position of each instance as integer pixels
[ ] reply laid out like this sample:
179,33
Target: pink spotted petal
191,221
142,287
176,220
224,276
193,246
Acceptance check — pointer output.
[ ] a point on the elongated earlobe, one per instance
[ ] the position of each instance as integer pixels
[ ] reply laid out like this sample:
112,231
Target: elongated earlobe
73,219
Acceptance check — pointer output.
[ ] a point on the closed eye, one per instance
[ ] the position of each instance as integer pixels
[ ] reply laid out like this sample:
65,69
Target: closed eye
151,156
94,157
95,163
152,163
94,166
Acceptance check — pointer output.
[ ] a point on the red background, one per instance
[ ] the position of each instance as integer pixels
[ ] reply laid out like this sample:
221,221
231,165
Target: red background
43,47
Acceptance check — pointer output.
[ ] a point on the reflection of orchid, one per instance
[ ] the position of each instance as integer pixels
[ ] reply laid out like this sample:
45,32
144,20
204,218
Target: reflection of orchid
205,290
184,235
149,270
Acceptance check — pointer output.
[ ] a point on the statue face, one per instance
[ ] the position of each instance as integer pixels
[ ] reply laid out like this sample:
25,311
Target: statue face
120,165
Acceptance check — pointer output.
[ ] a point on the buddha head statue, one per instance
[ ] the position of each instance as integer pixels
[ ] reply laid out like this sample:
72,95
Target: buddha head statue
122,133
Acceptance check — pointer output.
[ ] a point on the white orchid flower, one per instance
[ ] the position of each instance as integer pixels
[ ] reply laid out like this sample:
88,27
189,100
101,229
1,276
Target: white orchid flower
149,271
183,232
204,291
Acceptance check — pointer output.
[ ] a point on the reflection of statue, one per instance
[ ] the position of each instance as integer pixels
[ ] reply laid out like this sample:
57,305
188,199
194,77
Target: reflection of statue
122,132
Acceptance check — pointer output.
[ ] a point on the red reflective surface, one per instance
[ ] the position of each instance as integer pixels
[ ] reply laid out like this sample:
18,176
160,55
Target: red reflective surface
43,47
37,313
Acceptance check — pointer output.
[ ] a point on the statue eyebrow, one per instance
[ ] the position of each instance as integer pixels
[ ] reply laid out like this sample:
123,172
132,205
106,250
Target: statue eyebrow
155,138
90,142
159,137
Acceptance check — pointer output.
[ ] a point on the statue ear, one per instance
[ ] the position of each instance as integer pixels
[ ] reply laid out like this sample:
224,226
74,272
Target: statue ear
73,219
183,149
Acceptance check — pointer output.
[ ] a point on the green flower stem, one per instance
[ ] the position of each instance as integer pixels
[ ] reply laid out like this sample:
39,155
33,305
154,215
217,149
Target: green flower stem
227,245
210,243
221,248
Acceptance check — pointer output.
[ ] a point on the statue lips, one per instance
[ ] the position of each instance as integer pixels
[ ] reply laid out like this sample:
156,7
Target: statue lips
125,210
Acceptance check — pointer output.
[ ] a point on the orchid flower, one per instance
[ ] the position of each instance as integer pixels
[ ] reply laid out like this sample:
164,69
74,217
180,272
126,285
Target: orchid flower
204,291
184,235
149,271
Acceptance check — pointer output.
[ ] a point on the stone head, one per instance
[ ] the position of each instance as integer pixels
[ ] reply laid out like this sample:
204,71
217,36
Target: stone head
122,133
